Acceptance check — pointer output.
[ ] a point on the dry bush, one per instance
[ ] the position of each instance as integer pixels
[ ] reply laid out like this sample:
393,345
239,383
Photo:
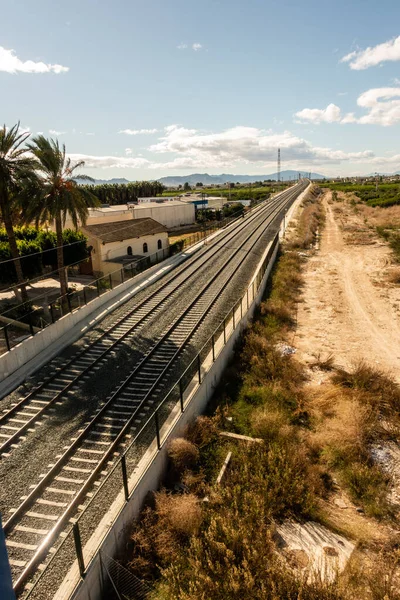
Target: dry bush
280,310
183,454
323,362
203,431
265,363
161,534
270,424
195,483
381,391
394,276
342,426
178,513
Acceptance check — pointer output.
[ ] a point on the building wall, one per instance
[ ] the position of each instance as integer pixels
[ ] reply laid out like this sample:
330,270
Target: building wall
170,215
108,252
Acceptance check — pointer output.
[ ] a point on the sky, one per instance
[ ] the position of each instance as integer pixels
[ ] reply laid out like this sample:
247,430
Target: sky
144,89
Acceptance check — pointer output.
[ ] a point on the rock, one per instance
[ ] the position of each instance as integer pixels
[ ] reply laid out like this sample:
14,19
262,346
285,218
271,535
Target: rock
340,503
360,510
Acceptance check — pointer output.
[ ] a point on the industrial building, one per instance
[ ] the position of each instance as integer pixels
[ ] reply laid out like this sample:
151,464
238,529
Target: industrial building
171,213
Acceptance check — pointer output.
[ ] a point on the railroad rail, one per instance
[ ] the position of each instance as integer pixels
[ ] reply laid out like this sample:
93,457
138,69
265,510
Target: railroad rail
29,411
38,521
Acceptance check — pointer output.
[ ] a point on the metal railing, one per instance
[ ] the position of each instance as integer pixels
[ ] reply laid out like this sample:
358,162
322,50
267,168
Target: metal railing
155,431
44,316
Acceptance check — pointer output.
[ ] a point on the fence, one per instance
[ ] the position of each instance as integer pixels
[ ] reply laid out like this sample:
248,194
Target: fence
123,473
119,583
40,318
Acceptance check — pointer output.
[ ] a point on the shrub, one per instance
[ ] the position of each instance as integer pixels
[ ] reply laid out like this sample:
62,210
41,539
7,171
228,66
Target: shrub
180,513
183,454
383,392
270,425
203,431
31,260
367,484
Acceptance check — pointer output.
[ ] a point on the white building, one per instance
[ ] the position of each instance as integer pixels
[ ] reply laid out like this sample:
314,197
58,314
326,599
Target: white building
172,213
119,242
157,199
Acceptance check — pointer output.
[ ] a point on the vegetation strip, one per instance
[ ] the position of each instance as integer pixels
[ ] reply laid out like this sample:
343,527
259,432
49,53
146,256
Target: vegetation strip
197,541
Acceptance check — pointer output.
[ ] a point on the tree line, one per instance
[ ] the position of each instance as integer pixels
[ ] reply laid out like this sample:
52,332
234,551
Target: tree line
122,193
39,185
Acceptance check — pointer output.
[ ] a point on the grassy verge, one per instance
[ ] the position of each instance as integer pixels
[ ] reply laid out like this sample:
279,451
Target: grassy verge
218,541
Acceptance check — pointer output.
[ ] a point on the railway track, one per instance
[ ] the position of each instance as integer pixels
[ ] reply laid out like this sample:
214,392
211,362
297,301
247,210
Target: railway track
28,412
36,524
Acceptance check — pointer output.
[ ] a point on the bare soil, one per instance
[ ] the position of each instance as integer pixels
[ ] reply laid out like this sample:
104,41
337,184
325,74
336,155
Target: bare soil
350,309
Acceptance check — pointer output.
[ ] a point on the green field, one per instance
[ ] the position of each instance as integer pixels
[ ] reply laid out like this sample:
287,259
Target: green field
236,193
387,194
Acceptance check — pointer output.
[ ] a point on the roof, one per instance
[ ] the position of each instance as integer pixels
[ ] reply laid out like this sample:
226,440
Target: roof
166,204
119,231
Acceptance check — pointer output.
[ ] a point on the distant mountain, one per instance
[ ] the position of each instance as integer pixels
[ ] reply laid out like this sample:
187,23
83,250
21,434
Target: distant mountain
101,181
206,179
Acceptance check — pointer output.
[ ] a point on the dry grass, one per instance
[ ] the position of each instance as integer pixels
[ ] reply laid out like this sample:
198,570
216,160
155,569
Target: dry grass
394,276
343,425
381,391
324,362
270,424
183,454
203,431
311,219
158,537
180,514
226,549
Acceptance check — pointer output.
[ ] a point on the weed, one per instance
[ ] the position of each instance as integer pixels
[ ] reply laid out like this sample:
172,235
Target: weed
382,392
183,454
324,363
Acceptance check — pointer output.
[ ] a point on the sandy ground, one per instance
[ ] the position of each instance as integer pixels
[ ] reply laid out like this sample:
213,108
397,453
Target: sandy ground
349,308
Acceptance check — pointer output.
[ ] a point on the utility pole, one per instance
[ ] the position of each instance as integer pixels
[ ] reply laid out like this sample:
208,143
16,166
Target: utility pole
279,166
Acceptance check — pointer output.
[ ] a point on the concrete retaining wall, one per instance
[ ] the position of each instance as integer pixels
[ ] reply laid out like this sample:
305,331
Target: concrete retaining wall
110,536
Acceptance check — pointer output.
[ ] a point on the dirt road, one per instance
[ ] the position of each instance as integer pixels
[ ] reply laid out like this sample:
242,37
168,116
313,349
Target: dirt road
349,308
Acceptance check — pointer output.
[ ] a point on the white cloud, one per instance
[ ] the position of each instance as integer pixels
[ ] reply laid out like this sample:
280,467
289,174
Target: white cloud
195,46
375,55
138,131
233,150
241,145
342,93
330,114
382,104
55,132
108,162
10,63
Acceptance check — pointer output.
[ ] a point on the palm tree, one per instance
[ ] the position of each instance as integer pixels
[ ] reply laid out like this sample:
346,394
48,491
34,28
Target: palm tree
58,194
16,173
